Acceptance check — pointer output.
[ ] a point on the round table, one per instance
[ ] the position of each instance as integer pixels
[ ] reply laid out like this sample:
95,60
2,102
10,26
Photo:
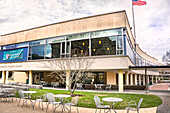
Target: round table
112,101
28,95
62,98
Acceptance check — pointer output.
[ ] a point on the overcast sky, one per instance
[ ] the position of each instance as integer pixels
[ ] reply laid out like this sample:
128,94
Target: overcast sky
152,20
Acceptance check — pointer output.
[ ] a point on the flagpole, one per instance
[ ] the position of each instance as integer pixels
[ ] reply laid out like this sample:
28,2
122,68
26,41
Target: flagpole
134,29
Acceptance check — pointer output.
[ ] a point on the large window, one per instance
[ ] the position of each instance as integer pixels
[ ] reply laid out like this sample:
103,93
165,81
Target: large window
103,46
99,77
36,52
52,50
80,48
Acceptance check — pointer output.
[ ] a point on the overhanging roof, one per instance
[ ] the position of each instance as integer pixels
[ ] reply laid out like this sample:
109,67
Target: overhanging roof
158,68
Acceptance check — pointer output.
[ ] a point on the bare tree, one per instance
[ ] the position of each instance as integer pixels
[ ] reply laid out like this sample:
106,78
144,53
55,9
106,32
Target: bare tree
70,70
166,58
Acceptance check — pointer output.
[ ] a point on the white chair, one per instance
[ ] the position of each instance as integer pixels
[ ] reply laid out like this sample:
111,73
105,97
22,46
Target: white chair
51,100
108,87
11,93
42,99
79,85
96,87
21,95
73,102
56,84
132,103
98,104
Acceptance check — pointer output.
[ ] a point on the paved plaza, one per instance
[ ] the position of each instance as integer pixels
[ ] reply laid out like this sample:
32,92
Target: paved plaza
11,107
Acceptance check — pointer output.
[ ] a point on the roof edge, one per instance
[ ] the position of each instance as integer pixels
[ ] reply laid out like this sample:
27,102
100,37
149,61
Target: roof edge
64,22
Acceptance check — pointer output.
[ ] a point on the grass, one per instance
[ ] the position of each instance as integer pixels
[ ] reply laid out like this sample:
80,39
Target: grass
88,99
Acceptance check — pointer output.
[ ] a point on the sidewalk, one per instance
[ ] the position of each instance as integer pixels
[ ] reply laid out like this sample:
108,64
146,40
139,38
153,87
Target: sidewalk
12,107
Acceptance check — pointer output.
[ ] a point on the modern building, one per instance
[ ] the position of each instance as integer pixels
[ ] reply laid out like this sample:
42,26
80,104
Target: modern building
107,38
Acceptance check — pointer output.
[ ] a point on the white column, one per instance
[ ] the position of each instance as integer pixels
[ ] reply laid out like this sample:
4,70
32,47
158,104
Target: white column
30,77
148,79
152,79
143,79
131,79
156,79
136,79
120,80
67,80
127,77
3,77
7,74
139,79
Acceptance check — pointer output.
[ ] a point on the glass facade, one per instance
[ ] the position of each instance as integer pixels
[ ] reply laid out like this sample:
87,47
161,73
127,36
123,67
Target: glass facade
96,43
37,52
103,46
52,50
80,48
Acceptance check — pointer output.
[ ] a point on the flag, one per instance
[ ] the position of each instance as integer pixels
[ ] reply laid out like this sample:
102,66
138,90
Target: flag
138,2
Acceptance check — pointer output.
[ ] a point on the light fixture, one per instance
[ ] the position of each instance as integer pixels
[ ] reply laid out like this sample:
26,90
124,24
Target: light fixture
100,42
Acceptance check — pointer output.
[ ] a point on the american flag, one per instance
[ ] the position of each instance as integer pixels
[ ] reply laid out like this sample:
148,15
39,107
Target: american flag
138,2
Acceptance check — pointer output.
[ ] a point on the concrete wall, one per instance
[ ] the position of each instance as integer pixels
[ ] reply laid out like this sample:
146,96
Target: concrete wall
99,64
20,77
111,78
146,56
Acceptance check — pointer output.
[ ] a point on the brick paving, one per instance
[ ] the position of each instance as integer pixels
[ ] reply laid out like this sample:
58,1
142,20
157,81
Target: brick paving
11,107
162,86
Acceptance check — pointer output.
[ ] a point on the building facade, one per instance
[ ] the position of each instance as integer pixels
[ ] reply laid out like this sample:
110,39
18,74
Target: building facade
107,38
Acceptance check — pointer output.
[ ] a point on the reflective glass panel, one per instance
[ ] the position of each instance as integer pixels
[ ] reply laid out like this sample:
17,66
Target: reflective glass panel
53,50
37,42
56,39
119,42
9,46
78,36
80,48
25,44
103,46
38,52
120,52
106,33
30,53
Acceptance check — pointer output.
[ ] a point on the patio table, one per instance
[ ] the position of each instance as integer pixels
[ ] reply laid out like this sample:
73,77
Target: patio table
99,86
28,95
62,99
112,101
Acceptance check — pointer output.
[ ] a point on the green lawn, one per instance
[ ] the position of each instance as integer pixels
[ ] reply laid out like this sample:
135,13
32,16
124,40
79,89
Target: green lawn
88,99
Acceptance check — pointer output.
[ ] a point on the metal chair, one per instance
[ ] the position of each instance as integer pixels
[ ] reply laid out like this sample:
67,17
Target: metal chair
41,99
132,103
2,93
73,102
96,87
98,104
55,84
51,100
11,93
79,85
21,95
108,87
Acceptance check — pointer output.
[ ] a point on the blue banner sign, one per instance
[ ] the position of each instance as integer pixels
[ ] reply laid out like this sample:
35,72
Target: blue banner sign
15,55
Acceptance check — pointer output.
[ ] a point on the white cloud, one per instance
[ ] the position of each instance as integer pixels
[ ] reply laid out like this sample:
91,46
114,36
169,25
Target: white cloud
152,24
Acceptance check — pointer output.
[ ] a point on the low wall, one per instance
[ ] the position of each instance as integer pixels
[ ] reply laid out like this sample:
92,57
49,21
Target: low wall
115,87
